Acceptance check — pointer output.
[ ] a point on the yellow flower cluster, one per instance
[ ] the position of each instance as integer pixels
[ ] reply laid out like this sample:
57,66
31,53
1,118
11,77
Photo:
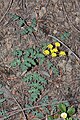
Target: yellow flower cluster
53,51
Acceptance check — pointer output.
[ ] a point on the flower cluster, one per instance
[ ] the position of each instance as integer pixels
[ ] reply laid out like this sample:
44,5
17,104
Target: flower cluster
53,50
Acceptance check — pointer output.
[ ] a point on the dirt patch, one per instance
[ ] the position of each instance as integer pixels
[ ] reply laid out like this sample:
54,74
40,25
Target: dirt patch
53,17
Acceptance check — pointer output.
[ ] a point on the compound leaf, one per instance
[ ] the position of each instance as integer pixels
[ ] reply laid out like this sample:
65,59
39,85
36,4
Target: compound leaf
23,67
2,100
21,22
24,32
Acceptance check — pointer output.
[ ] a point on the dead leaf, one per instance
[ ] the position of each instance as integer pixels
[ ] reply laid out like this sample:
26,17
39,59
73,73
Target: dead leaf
45,73
42,12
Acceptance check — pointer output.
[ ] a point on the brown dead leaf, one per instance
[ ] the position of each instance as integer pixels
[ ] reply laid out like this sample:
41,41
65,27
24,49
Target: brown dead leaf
42,12
50,72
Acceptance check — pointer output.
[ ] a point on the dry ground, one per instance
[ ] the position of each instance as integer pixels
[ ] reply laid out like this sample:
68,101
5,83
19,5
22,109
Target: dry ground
58,16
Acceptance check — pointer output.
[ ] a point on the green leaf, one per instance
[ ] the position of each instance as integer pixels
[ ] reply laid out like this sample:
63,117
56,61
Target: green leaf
33,90
1,85
37,85
50,118
31,51
42,80
65,35
13,63
28,78
33,24
3,112
30,29
41,61
49,64
30,60
38,114
35,76
70,118
54,104
2,100
66,103
27,63
21,22
24,32
62,107
1,92
23,67
15,17
71,111
17,53
45,99
18,61
26,54
46,110
40,55
28,106
33,97
55,71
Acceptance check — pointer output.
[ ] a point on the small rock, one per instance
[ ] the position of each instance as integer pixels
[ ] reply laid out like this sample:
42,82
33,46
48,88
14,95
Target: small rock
77,20
55,31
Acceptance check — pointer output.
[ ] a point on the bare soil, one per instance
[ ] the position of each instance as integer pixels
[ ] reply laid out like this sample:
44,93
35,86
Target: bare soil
58,16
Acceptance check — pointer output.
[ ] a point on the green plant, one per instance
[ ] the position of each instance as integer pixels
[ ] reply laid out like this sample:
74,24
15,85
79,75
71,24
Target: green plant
36,84
53,68
38,114
30,57
65,35
22,23
67,111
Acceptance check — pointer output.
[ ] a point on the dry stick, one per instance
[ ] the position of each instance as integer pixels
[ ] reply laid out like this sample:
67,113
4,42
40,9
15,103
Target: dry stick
31,108
9,6
24,109
65,46
17,103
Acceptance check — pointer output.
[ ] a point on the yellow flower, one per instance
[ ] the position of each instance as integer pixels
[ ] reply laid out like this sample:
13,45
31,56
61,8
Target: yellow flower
57,44
54,54
54,50
46,52
64,115
50,46
62,53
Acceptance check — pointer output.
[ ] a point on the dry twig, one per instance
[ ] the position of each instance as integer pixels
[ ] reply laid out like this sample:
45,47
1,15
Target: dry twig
37,106
17,104
8,8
